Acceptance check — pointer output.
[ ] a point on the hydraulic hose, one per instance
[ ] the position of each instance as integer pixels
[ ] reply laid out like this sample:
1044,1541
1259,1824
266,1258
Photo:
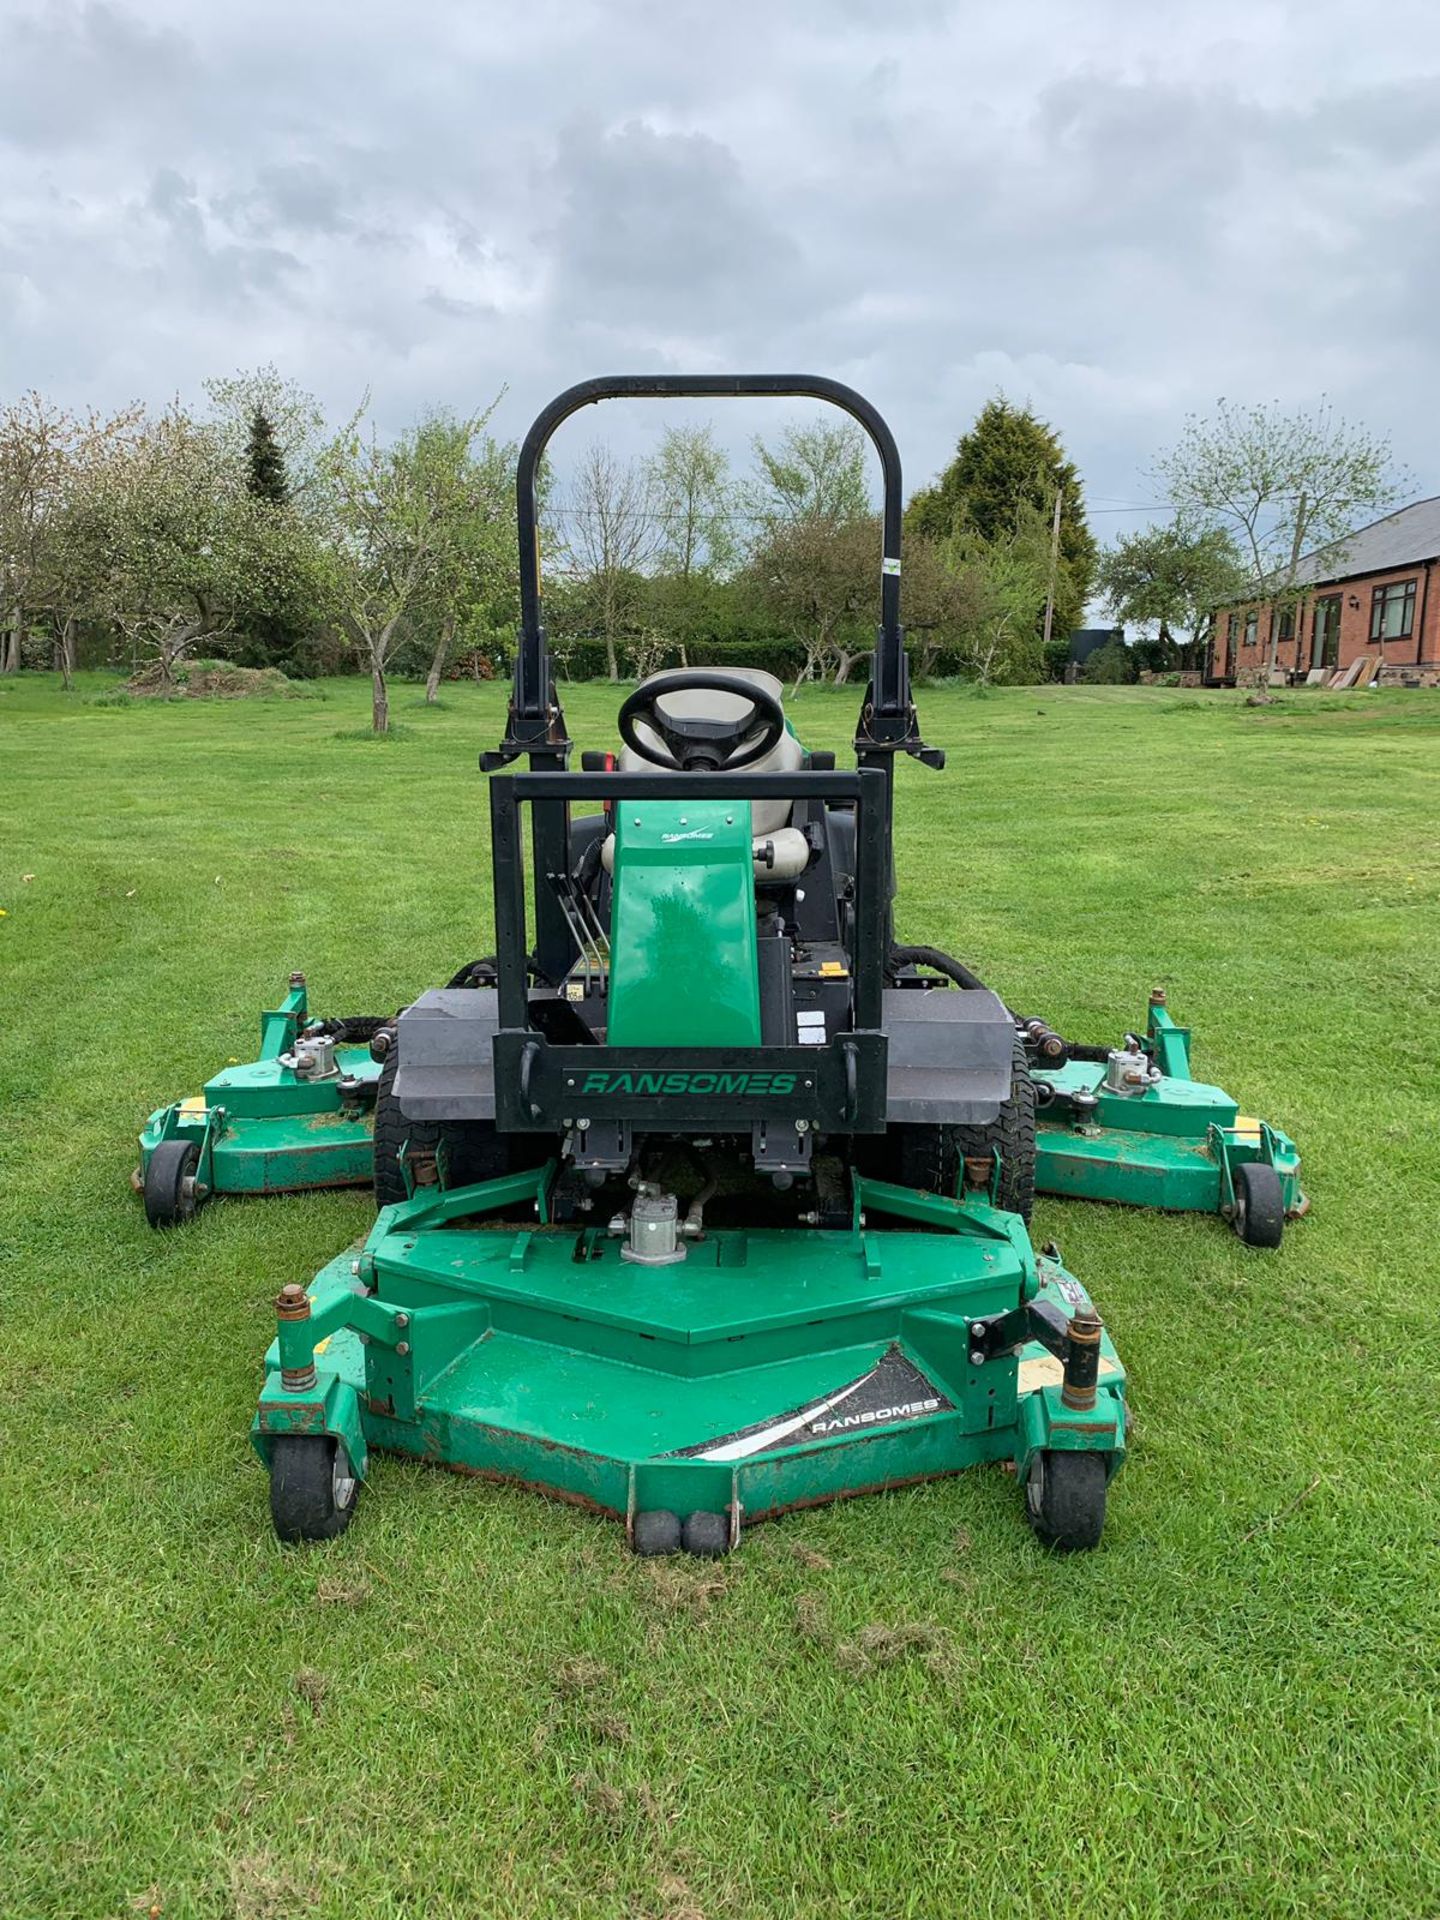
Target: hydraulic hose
938,962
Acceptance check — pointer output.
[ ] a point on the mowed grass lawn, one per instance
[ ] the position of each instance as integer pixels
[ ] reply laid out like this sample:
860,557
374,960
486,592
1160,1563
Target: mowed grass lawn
477,1703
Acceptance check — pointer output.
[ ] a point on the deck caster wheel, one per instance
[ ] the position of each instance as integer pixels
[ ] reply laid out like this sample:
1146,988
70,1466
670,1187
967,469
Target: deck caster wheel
706,1535
169,1187
1065,1499
655,1532
1259,1216
313,1488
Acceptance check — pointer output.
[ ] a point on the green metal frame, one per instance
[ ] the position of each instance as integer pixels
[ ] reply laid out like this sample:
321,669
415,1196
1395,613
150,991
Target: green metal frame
535,1353
261,1128
1175,1146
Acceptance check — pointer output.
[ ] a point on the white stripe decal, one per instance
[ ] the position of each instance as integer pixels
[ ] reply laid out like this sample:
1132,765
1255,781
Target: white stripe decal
767,1436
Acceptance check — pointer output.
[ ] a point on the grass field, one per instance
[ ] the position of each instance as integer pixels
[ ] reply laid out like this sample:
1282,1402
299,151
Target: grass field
476,1703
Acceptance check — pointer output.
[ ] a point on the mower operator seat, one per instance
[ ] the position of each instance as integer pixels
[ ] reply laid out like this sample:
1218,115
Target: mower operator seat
781,849
786,756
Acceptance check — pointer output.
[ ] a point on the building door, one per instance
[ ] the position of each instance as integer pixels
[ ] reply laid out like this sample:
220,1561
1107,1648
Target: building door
1325,635
1227,661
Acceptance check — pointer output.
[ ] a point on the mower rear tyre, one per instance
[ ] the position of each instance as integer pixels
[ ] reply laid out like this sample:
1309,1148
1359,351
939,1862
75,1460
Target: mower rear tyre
1065,1499
1012,1133
313,1488
170,1196
930,1157
473,1149
1259,1216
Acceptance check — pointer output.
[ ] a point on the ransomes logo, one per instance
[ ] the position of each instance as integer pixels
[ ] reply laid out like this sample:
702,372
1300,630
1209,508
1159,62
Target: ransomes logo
749,1085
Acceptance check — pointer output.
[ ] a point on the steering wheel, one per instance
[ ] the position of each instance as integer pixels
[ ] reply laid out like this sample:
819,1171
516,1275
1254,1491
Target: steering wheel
692,744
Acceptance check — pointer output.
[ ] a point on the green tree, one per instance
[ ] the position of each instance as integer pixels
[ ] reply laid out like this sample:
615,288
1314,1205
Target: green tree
693,501
611,537
819,581
265,476
809,473
473,590
1008,465
295,418
1006,577
1285,484
395,509
1112,665
187,554
43,448
1171,579
694,504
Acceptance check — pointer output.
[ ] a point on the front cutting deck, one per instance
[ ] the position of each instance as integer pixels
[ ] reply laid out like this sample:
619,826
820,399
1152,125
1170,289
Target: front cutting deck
771,1369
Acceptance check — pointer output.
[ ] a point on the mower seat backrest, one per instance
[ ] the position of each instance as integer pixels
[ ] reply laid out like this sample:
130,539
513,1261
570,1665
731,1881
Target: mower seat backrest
786,756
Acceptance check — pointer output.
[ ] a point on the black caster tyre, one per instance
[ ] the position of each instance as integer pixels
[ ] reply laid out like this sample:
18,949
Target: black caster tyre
169,1189
1065,1499
706,1535
1259,1216
313,1489
655,1532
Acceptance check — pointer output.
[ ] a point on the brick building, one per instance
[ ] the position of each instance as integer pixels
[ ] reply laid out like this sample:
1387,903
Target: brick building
1368,606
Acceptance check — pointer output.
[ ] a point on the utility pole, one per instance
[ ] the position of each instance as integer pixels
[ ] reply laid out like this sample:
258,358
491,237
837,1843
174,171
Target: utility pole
1297,543
1054,567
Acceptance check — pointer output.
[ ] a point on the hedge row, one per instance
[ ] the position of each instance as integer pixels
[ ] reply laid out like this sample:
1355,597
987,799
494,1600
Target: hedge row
585,659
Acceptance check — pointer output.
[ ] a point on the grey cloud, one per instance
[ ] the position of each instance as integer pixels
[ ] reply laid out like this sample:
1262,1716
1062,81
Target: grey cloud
75,70
1117,221
662,230
301,197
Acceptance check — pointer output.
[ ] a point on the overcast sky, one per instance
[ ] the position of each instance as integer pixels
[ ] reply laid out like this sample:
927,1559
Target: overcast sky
1116,212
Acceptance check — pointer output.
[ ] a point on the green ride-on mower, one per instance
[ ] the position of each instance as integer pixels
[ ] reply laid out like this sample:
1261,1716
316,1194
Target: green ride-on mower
702,1200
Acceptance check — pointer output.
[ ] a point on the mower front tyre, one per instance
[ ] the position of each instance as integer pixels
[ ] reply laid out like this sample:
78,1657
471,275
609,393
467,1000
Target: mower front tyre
706,1535
1259,1216
654,1532
169,1189
313,1489
1065,1499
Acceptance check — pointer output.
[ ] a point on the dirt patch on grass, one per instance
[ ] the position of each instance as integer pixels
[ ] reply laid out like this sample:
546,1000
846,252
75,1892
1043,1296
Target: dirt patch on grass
212,680
261,1889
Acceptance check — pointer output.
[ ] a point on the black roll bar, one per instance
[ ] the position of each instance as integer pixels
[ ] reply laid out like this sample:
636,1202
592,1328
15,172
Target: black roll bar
536,722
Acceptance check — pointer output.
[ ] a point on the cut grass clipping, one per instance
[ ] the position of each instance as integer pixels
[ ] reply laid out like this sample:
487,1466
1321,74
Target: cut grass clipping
476,1703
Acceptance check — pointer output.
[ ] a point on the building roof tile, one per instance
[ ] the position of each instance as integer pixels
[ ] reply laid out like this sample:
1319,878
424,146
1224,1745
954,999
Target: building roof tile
1398,540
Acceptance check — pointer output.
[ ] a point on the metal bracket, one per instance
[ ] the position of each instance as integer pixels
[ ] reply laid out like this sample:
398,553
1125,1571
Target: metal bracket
776,1146
602,1144
1074,1341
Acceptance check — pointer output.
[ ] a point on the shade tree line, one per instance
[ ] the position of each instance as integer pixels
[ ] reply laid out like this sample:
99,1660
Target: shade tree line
251,528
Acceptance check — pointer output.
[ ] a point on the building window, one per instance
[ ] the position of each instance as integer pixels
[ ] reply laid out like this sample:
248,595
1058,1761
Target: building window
1231,625
1392,611
1252,626
1282,624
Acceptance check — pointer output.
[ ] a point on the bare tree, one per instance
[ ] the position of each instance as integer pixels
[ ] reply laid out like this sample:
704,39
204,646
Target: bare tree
610,537
1285,483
